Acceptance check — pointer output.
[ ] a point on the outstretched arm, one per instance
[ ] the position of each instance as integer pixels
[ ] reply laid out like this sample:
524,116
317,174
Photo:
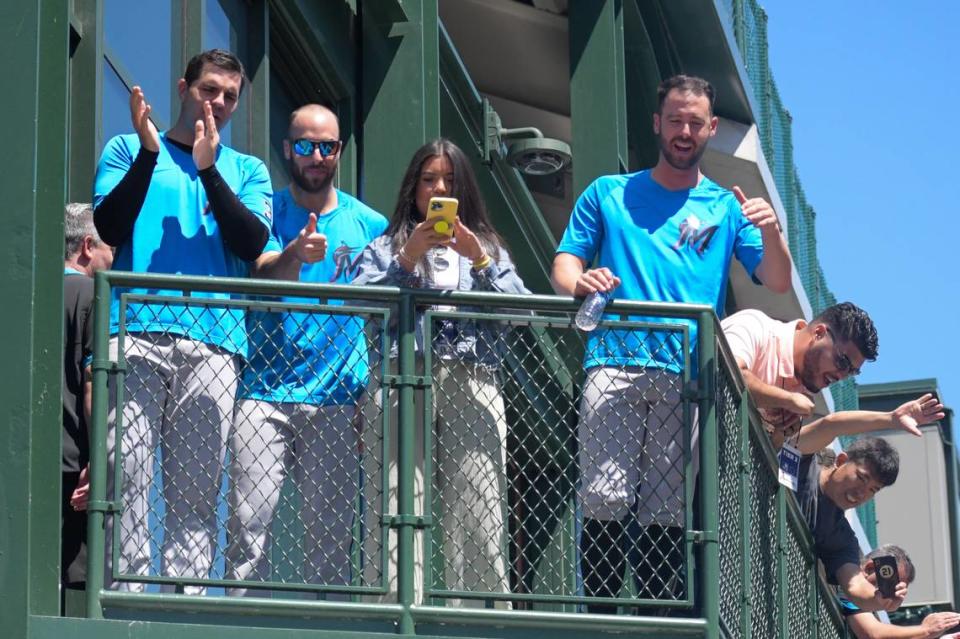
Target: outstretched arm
907,416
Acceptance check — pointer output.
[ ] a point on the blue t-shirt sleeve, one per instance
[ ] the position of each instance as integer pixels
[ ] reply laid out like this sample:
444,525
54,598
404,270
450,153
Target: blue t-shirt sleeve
114,163
256,192
748,245
585,230
847,607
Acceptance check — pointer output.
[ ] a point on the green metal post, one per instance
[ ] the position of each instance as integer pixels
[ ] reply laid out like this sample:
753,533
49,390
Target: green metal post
33,46
406,460
745,465
96,542
597,90
783,592
950,461
709,472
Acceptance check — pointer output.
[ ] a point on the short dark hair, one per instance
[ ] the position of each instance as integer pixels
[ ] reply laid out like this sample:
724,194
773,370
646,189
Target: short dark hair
878,455
850,323
685,83
220,58
904,566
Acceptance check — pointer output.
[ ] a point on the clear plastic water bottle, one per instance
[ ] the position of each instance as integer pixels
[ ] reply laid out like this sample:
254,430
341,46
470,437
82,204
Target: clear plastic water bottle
591,310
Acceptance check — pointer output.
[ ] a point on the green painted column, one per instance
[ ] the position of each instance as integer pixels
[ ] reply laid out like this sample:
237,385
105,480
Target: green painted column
597,91
400,89
33,44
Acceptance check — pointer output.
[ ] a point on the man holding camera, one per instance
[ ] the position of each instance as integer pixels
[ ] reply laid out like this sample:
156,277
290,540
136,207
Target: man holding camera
865,625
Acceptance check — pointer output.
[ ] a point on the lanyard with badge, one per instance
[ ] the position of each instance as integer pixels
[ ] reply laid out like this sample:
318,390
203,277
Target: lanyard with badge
789,462
789,458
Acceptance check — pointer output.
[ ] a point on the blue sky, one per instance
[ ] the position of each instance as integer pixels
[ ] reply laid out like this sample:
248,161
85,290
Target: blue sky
873,91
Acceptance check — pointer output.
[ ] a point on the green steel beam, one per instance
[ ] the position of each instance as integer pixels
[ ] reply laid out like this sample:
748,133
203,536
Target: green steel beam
597,91
643,76
85,100
251,122
33,43
400,104
709,471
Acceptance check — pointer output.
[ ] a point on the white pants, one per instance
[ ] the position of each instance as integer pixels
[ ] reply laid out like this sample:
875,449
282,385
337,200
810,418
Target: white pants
320,445
631,445
179,393
470,483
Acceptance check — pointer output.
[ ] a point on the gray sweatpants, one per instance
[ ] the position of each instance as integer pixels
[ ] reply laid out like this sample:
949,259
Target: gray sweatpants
179,393
319,444
469,458
631,445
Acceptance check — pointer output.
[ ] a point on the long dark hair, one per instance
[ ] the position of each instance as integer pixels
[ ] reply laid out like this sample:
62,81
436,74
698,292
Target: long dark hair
472,212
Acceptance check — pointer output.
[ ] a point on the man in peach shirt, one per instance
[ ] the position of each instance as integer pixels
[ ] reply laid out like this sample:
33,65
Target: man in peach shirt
785,363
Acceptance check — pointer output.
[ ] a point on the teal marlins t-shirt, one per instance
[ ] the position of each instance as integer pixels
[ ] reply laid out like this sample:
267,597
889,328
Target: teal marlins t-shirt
665,246
313,358
176,233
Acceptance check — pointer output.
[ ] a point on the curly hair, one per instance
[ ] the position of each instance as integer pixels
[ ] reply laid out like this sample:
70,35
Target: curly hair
850,323
878,455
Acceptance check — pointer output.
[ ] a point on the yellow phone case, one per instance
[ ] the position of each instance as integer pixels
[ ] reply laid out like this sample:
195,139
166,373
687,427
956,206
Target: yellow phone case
444,211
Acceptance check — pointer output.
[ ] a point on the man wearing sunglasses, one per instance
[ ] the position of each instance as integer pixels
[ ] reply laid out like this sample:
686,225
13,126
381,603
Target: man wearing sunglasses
179,202
298,394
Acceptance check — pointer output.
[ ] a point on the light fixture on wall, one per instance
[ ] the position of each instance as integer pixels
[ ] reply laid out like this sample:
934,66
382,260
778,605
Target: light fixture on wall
529,151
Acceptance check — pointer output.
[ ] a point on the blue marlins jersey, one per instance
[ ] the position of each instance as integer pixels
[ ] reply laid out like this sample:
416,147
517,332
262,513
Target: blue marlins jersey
176,233
665,246
313,358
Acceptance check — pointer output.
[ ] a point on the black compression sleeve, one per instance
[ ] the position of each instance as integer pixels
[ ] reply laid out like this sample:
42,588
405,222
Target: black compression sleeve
243,232
118,211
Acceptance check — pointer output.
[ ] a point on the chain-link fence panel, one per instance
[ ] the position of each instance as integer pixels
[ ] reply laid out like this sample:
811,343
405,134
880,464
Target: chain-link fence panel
798,568
764,545
543,488
731,507
831,624
242,458
771,547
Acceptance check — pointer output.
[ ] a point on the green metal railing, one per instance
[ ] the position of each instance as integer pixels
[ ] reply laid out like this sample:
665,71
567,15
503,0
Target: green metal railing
775,124
746,568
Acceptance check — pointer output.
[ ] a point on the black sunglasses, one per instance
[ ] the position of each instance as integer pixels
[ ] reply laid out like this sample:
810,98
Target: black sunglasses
840,360
305,148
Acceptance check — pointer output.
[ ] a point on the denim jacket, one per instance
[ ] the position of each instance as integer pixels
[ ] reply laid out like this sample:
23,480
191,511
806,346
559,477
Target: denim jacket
468,340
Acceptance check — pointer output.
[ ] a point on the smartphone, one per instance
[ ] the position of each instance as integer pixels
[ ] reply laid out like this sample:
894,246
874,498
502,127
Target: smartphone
443,210
888,576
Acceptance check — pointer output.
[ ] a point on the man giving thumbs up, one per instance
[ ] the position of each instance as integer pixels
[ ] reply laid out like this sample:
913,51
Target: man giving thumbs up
306,371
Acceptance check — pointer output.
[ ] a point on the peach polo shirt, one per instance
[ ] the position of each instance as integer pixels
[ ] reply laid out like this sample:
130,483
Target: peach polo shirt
765,345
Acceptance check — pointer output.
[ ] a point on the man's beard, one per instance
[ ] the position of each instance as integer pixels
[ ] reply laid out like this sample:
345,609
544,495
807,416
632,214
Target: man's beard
317,184
681,164
809,376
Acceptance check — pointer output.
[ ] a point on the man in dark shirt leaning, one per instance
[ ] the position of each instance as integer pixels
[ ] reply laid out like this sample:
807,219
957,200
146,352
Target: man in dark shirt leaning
84,254
830,485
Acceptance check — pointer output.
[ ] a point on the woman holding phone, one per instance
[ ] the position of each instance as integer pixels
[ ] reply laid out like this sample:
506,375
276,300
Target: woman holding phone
469,429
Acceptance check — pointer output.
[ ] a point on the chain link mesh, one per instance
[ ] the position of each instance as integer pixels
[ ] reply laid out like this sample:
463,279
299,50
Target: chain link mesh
246,471
506,499
540,483
731,505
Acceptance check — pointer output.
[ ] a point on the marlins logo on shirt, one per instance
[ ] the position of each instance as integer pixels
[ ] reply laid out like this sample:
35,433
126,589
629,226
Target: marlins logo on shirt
341,258
692,235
